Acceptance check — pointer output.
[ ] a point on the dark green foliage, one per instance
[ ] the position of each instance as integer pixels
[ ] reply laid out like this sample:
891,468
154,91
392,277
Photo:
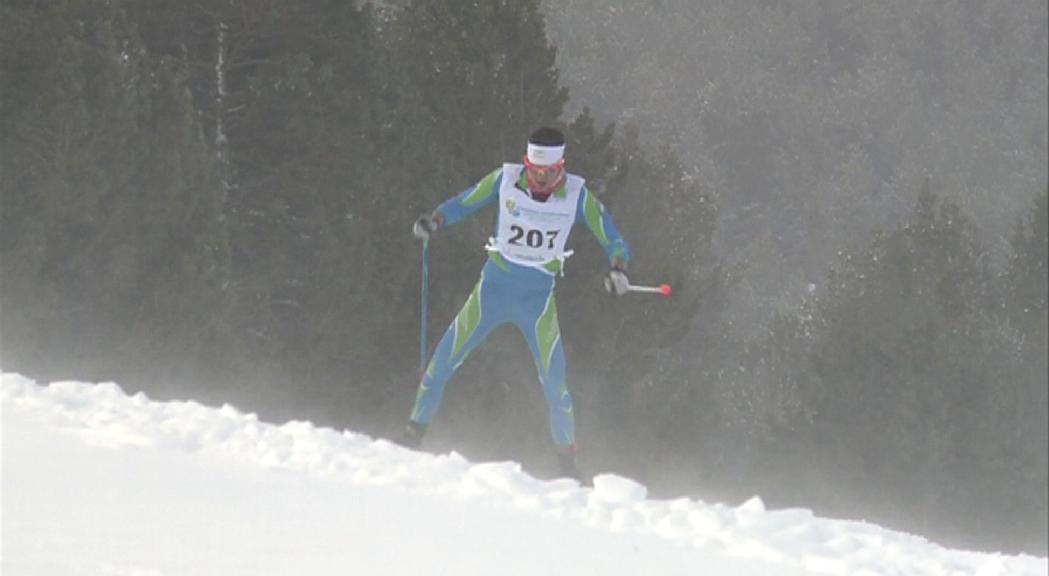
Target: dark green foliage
482,75
819,117
1026,275
649,348
913,382
114,252
1026,402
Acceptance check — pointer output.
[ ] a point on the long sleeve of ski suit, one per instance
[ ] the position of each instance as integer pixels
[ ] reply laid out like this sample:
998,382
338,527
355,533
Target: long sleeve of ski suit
521,295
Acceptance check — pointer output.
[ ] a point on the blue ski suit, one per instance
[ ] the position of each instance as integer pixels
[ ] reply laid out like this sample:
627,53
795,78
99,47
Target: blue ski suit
516,291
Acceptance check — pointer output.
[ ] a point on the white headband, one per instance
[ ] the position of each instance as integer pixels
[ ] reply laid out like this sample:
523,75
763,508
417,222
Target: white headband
545,155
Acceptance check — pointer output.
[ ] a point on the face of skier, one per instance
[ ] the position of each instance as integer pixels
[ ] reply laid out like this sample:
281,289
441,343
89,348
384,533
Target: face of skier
544,179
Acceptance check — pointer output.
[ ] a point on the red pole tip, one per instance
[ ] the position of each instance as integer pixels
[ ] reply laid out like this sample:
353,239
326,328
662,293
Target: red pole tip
665,290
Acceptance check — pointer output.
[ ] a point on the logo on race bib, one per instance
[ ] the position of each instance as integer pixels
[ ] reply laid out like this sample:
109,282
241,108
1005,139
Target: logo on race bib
512,207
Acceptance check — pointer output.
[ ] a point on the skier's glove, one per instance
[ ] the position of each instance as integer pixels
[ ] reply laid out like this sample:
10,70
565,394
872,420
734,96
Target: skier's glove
425,225
616,282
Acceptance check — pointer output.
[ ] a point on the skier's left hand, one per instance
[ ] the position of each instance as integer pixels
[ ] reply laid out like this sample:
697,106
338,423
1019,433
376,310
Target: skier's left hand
616,282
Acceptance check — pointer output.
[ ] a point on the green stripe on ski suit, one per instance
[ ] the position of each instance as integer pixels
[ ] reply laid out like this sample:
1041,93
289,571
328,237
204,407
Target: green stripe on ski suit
499,261
468,319
593,210
547,331
484,189
423,388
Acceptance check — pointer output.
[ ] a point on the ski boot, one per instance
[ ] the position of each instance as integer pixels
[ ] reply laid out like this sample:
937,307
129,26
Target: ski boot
411,436
568,466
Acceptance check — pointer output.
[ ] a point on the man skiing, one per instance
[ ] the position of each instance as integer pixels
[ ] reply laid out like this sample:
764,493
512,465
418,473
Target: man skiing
538,204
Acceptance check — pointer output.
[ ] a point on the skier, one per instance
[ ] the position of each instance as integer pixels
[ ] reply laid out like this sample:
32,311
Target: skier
538,205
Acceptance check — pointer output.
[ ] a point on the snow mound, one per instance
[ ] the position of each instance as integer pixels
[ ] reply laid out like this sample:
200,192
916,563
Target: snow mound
105,417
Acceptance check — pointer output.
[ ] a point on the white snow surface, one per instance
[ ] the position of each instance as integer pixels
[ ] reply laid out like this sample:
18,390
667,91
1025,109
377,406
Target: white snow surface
97,482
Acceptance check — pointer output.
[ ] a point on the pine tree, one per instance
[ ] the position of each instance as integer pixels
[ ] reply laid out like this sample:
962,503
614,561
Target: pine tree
1025,403
484,77
113,241
912,377
1026,275
653,356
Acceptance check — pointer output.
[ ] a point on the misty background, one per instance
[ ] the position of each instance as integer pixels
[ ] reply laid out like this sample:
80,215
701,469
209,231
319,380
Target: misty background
213,200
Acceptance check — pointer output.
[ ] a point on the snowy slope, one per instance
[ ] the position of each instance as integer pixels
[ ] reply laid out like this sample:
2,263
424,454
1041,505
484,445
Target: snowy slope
99,482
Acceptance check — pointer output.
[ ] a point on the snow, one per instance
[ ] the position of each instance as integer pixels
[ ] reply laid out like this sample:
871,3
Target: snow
95,481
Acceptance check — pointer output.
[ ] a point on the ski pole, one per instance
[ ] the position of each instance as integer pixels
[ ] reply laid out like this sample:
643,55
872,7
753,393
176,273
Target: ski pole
663,289
425,306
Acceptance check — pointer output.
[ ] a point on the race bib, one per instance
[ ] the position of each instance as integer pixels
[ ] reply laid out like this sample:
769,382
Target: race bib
534,233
